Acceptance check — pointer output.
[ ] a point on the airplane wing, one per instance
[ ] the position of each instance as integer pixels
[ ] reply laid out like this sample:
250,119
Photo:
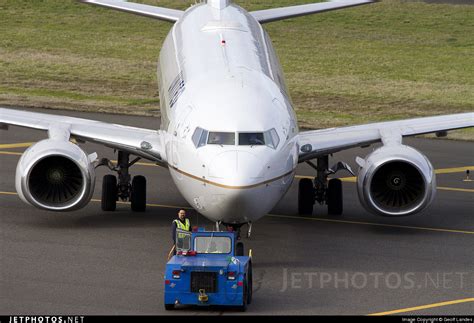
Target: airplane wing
145,143
269,15
318,143
171,15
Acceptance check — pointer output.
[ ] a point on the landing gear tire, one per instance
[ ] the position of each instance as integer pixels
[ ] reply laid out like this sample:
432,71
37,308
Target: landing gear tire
109,193
239,249
138,194
169,307
334,201
305,197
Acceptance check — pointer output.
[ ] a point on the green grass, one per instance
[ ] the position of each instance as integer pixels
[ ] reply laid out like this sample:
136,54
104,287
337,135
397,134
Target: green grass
395,59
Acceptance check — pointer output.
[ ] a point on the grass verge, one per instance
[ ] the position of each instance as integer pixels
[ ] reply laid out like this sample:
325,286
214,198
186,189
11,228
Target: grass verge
391,60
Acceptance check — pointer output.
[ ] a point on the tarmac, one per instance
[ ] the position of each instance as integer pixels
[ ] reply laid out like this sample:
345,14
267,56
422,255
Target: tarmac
93,262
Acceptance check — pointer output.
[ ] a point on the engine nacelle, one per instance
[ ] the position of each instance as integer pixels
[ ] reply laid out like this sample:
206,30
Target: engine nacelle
55,175
396,180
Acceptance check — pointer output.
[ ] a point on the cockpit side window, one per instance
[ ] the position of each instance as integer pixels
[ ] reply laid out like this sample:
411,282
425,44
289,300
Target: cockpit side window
221,138
199,137
271,138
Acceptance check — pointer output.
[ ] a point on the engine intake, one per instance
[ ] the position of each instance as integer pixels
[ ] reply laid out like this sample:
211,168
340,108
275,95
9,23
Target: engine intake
396,181
55,180
397,185
55,175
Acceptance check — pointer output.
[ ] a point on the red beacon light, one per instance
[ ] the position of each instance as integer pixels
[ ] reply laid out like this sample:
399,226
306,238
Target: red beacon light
187,253
176,274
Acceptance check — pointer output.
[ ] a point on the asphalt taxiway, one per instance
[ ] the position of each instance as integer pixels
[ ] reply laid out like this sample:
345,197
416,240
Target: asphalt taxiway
92,262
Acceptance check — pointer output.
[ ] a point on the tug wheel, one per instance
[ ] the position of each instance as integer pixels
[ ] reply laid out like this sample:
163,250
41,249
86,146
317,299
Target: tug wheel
250,289
243,307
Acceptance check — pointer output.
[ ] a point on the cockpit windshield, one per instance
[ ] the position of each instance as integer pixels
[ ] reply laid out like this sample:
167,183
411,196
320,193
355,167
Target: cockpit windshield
251,139
221,138
202,137
268,138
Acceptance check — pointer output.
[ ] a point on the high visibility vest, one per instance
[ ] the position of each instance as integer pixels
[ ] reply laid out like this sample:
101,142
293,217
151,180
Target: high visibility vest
179,225
186,226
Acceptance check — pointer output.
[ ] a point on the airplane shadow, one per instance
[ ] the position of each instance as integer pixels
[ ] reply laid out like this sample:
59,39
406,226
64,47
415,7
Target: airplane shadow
117,219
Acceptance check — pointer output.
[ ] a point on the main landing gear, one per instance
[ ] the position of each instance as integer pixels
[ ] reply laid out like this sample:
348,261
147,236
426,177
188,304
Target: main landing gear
320,189
122,186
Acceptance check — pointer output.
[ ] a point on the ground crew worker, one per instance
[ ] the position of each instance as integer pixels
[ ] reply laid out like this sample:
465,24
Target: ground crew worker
182,223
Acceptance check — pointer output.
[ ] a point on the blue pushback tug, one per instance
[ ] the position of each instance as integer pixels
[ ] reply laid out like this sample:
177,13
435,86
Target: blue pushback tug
209,268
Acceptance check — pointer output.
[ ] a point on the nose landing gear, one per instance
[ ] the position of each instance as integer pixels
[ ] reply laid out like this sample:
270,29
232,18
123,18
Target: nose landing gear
236,227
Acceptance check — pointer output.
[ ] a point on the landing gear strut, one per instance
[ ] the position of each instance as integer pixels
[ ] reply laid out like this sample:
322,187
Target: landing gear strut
122,186
320,189
249,230
233,227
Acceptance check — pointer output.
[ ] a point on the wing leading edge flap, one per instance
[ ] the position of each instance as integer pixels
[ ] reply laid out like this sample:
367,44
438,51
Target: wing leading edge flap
145,143
269,15
166,14
327,141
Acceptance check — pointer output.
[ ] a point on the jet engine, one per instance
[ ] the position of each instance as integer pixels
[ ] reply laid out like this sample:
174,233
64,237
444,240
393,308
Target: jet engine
396,180
55,175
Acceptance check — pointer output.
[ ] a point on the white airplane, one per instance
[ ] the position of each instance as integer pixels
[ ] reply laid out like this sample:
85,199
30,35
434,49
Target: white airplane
228,134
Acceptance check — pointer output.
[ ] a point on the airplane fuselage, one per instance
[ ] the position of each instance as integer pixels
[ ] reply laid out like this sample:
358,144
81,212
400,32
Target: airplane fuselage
228,131
232,150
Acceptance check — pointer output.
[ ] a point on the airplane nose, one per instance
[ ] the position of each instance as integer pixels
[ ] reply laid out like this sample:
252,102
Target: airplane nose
237,187
237,168
239,193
